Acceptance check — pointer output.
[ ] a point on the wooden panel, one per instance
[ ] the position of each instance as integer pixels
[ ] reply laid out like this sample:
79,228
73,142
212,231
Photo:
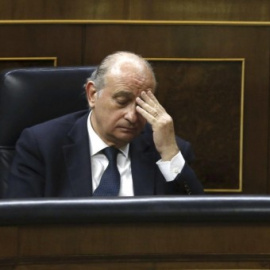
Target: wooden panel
8,246
21,62
126,241
200,10
87,266
141,246
63,9
205,98
62,42
149,266
231,10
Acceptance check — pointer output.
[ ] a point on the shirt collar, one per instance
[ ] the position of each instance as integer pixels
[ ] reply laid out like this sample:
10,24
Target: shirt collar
97,144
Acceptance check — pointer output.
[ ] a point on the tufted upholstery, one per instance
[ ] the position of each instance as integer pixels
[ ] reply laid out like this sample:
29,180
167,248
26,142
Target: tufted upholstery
30,96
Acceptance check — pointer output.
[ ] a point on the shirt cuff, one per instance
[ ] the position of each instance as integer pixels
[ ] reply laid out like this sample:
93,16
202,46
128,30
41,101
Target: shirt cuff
170,169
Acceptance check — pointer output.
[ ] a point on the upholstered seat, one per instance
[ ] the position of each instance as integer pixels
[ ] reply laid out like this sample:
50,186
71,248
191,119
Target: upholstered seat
30,96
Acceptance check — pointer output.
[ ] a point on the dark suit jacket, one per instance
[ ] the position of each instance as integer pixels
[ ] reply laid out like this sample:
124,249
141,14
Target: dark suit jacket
53,160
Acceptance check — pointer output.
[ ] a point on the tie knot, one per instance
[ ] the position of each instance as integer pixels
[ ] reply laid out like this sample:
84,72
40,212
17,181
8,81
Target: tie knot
111,153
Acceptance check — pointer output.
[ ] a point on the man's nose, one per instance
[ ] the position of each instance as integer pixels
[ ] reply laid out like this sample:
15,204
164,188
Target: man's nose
131,114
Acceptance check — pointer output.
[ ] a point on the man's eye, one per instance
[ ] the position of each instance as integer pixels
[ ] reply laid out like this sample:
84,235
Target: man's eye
122,101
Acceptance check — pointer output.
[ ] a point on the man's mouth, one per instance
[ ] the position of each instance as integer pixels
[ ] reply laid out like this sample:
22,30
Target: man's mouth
128,129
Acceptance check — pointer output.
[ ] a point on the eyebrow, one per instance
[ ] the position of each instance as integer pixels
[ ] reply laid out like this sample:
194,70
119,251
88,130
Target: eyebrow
126,94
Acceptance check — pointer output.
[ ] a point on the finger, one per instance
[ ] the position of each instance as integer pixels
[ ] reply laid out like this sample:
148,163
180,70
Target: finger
152,110
153,98
150,118
153,102
149,98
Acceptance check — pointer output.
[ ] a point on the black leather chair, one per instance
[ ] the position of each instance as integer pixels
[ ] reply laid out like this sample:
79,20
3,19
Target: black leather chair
30,96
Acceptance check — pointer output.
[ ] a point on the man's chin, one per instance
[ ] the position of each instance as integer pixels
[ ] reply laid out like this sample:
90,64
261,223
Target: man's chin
126,137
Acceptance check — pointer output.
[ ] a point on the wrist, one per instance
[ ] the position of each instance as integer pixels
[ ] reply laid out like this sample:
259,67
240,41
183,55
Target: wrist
169,153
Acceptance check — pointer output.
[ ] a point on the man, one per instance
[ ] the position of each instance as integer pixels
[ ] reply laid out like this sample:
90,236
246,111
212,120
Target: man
64,157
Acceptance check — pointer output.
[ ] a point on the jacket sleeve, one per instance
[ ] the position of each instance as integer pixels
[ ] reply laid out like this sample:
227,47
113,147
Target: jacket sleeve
27,175
187,178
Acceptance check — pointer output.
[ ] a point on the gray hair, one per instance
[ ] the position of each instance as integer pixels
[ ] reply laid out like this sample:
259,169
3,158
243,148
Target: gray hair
98,76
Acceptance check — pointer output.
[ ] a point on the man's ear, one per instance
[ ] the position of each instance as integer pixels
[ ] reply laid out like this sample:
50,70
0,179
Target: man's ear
91,93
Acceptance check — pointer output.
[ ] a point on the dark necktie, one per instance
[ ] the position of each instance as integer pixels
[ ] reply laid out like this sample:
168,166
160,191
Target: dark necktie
110,181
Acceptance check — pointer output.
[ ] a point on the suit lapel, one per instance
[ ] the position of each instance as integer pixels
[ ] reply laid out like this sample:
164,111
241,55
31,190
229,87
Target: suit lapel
78,162
77,158
142,167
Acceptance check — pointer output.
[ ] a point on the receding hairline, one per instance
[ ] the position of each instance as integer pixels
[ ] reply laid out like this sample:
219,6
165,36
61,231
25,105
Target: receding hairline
117,61
113,63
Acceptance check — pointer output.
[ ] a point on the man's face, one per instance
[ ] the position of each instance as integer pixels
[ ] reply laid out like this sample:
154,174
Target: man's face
114,116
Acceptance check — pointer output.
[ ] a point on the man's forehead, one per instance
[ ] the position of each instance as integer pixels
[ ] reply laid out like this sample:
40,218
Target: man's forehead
125,65
133,73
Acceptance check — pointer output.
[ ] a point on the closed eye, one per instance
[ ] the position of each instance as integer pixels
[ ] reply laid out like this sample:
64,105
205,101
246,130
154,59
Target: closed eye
123,98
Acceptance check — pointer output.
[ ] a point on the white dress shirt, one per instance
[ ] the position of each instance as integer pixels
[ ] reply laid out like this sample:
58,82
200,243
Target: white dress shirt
99,163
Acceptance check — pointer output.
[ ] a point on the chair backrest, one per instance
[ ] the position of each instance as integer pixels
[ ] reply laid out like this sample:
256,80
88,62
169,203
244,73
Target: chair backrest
29,96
